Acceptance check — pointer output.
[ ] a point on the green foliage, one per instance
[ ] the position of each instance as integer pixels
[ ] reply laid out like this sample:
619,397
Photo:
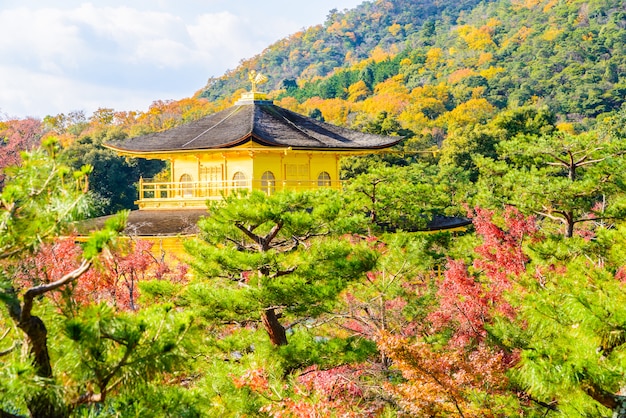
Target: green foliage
265,253
570,179
381,194
113,178
571,319
39,199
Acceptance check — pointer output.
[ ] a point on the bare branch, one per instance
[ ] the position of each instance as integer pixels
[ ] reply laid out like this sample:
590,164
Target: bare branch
45,288
554,218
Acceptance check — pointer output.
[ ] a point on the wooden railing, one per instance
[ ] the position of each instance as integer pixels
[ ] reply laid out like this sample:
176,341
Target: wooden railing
154,194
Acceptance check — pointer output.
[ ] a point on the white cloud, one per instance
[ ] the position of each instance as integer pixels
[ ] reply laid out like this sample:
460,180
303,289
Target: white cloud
77,55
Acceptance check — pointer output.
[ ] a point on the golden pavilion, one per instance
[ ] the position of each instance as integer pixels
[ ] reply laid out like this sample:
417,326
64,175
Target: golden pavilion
253,145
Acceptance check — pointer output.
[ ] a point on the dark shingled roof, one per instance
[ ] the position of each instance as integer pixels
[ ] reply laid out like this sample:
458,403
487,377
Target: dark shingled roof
174,222
260,121
161,222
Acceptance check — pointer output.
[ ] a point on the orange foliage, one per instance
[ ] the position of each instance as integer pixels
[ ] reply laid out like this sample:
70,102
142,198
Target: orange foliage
290,103
444,382
485,58
460,74
519,37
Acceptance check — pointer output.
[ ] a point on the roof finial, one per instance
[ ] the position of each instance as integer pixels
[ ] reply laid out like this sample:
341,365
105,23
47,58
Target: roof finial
256,79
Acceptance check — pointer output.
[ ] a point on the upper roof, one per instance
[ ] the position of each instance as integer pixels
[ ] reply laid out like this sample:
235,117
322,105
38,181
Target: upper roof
254,120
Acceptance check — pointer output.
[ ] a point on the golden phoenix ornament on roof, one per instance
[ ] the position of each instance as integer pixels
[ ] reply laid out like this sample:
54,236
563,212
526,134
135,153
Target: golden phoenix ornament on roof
256,79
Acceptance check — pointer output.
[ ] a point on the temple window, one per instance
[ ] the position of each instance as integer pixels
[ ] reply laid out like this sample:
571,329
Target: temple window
323,180
268,182
186,186
239,180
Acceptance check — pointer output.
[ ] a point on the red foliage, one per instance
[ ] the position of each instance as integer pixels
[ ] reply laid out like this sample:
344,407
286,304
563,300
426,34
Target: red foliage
334,392
469,302
17,136
113,280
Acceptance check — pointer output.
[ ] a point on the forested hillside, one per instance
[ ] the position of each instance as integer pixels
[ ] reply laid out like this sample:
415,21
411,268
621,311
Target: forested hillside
344,39
336,302
568,55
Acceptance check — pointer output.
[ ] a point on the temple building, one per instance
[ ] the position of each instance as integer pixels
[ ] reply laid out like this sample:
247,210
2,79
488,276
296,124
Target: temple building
252,145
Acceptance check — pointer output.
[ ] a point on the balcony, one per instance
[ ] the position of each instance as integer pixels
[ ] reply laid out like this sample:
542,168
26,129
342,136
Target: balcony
194,194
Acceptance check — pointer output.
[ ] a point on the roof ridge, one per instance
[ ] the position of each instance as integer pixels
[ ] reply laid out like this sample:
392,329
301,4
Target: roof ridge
296,127
211,127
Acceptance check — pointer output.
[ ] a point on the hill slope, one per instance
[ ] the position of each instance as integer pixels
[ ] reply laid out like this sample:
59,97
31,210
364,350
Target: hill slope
569,55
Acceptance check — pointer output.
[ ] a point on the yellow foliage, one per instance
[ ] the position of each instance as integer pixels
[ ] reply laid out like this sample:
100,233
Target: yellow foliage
389,101
393,84
476,38
519,37
433,57
566,127
406,62
290,103
349,58
525,4
318,44
439,92
394,29
490,72
378,54
471,112
413,120
551,34
493,23
524,32
550,5
358,91
335,111
429,107
478,92
459,75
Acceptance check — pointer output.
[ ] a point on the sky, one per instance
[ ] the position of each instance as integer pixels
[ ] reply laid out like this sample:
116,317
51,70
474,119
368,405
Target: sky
60,56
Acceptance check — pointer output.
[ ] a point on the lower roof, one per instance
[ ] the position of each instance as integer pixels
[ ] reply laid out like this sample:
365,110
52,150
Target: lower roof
181,222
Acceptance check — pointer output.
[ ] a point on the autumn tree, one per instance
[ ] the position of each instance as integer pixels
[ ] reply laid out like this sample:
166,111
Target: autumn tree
41,196
16,136
72,359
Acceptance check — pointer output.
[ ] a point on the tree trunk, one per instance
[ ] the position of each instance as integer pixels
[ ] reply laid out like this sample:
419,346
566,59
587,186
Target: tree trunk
41,404
274,329
569,224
